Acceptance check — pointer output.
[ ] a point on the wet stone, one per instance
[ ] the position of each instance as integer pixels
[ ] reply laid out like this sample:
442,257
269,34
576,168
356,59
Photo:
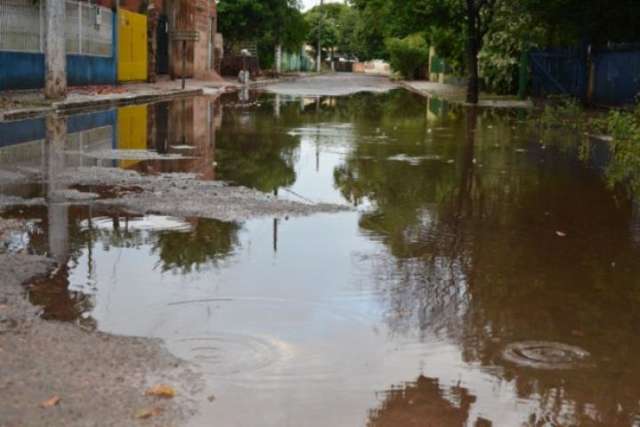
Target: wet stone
7,324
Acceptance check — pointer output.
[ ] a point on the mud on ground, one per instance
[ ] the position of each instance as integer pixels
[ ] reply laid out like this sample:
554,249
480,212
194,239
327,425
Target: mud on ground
184,195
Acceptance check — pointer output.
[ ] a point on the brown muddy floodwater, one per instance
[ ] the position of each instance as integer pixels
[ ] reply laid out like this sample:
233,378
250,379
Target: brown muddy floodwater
483,280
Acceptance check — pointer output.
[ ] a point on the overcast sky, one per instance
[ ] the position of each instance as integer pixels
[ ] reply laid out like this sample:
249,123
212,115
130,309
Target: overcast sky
310,3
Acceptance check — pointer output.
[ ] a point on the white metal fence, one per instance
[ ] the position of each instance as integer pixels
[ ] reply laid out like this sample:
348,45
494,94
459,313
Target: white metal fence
88,28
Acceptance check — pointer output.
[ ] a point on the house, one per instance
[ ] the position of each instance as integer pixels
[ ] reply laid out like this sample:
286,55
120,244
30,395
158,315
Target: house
164,18
109,42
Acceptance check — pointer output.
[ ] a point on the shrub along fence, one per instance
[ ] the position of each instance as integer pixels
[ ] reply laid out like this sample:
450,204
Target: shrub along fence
90,44
609,76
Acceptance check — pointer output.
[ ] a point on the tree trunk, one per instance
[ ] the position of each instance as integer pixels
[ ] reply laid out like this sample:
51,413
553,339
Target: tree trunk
473,47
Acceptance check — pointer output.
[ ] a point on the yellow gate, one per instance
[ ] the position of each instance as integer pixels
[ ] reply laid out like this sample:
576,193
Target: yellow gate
132,46
132,131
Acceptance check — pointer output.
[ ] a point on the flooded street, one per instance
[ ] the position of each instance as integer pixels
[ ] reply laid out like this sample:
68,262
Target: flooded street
478,278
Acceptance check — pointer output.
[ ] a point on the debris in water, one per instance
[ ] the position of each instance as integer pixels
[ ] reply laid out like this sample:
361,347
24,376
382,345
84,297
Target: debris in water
211,398
51,402
413,160
561,234
146,413
161,390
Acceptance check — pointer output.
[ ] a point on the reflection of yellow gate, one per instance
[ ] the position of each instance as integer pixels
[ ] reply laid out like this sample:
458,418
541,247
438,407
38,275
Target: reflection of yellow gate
132,46
132,131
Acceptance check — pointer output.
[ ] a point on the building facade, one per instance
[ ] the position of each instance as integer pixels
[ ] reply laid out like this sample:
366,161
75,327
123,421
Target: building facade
108,42
164,19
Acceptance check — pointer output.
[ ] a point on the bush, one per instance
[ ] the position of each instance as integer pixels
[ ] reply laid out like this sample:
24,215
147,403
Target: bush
407,55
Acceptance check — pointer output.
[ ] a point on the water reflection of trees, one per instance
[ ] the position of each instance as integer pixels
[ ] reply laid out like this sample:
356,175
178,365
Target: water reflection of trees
199,244
207,243
423,403
473,254
202,242
255,150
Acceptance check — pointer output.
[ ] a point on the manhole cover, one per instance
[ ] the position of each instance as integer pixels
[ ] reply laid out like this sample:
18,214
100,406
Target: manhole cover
546,355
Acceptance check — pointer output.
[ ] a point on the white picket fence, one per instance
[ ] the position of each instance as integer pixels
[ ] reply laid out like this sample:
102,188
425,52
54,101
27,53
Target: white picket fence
88,28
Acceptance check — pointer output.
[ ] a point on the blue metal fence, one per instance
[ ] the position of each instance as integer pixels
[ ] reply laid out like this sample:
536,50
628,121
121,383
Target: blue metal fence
617,77
614,74
91,55
559,72
18,132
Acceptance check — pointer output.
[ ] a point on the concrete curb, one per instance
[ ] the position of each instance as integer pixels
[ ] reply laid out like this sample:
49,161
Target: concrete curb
484,103
69,107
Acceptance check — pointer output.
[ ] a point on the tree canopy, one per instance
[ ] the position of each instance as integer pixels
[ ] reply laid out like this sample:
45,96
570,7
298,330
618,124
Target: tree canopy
484,37
265,22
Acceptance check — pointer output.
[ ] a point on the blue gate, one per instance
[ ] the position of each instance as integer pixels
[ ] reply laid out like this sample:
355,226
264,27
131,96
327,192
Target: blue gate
617,77
614,74
559,72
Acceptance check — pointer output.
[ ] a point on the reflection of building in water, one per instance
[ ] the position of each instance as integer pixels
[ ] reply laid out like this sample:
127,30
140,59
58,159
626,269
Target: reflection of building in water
132,131
424,403
186,127
22,143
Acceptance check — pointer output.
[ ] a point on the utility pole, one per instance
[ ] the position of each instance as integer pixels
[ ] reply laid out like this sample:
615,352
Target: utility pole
55,82
319,61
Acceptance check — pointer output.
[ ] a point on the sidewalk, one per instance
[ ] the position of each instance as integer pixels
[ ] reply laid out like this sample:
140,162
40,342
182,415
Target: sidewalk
457,95
21,105
26,104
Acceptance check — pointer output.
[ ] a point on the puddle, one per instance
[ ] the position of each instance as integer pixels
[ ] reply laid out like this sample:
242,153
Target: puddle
446,297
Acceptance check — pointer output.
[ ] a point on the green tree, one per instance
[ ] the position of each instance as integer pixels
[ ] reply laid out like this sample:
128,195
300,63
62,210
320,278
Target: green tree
335,25
266,22
407,55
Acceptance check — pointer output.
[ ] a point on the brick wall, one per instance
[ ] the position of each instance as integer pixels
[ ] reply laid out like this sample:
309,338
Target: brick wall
194,15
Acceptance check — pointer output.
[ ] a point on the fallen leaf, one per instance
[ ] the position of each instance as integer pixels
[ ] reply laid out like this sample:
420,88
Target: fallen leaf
51,402
161,390
143,414
561,234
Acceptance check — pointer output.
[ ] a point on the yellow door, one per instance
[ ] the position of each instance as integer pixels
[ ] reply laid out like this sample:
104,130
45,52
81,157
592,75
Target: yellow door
132,131
132,46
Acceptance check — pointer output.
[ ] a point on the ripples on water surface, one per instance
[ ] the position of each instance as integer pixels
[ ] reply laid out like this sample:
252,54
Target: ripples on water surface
447,298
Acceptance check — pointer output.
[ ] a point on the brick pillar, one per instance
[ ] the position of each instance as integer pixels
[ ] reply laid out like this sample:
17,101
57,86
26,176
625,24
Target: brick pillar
153,15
